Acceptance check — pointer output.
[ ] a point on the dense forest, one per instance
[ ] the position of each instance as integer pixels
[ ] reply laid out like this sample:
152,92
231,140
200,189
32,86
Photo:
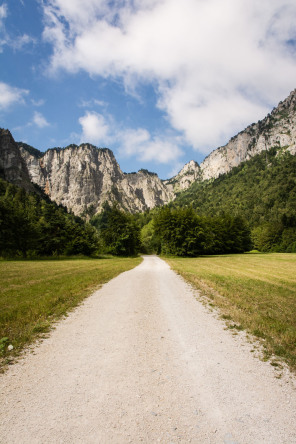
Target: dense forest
119,231
262,190
31,225
176,231
182,232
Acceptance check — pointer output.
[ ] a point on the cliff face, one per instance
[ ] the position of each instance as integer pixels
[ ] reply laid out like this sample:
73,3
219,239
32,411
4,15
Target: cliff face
189,174
12,166
83,177
277,129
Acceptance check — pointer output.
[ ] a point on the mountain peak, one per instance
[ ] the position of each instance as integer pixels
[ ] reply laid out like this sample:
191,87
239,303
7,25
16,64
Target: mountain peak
186,176
12,166
277,129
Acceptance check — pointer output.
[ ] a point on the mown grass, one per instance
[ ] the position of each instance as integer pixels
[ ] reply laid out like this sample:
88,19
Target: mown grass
33,294
257,292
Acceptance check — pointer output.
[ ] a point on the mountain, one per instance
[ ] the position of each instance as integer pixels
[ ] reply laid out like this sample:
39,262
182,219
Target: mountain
278,129
83,177
13,168
262,190
188,174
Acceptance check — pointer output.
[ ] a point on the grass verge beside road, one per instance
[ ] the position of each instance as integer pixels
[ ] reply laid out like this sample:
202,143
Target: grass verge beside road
257,292
33,294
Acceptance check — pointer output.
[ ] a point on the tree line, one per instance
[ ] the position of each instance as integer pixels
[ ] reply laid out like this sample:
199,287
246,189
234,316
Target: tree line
182,232
33,226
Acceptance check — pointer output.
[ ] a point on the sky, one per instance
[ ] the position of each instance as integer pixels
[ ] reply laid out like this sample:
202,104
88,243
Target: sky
159,82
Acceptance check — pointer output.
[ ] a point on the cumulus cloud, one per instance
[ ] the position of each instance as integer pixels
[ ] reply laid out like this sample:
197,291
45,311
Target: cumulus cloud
140,144
131,142
39,120
10,95
94,128
217,65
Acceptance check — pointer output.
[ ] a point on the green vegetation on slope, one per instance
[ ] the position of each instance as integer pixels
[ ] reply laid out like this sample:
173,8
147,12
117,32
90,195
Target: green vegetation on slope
261,190
35,293
32,226
256,291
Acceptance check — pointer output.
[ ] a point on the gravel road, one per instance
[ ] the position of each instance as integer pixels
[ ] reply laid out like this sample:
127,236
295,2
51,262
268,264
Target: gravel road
142,360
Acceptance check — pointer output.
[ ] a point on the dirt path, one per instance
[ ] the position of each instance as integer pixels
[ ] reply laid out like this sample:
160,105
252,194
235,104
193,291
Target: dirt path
143,361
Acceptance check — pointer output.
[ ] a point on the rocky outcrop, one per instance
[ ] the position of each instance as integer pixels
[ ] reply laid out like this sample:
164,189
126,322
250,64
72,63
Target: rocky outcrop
278,129
83,177
12,166
189,174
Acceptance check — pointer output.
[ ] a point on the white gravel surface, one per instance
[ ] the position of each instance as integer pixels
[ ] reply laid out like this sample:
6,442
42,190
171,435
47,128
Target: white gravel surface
141,360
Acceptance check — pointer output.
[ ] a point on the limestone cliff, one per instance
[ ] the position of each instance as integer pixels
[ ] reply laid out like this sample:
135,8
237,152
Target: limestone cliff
83,177
188,174
277,129
12,166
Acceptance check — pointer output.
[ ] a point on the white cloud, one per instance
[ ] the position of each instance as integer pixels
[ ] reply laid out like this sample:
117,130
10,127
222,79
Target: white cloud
17,42
94,128
138,143
39,102
3,15
3,12
10,95
39,120
218,64
93,102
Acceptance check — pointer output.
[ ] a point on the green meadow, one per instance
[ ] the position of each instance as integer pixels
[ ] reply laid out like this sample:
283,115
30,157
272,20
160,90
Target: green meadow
254,292
33,294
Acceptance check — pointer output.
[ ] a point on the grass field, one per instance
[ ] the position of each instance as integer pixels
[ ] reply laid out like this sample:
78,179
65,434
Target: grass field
33,294
257,292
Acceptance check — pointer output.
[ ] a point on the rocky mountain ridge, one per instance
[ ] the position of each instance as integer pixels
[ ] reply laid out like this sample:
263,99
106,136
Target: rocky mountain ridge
83,177
189,173
13,168
277,129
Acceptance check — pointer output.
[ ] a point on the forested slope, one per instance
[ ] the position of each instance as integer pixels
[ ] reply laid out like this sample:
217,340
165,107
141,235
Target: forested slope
30,225
262,190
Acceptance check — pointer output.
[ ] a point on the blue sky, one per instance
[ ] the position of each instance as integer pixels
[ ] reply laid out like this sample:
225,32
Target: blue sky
160,82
